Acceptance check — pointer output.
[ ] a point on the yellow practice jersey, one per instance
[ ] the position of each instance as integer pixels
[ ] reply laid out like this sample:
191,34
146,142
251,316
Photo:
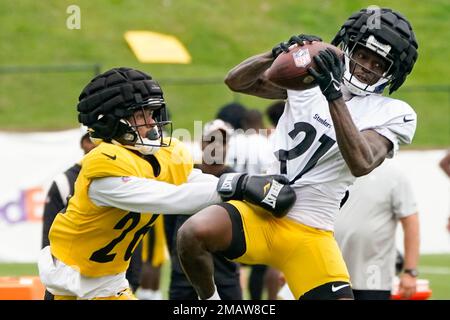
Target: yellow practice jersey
99,241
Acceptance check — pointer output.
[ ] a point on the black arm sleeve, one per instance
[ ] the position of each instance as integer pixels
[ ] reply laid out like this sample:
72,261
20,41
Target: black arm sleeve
53,205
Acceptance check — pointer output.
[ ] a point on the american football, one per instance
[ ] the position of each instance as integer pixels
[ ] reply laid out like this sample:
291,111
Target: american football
290,69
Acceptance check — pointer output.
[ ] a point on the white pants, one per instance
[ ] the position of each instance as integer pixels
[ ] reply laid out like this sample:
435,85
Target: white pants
64,280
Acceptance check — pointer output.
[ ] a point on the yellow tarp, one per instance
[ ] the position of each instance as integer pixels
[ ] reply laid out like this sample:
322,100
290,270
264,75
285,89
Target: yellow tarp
154,47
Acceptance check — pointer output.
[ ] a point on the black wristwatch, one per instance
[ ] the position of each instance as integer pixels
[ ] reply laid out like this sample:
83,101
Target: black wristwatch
412,272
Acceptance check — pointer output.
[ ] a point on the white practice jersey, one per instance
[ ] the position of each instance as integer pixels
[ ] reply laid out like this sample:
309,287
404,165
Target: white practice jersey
305,143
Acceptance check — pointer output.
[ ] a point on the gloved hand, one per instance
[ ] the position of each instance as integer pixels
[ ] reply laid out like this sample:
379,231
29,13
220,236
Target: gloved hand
329,74
270,192
296,39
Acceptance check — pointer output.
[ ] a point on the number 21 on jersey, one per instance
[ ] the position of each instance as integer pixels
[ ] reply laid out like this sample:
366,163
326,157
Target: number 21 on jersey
310,134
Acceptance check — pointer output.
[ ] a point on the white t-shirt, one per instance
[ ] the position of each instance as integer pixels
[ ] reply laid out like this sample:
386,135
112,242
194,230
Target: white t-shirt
366,225
250,153
305,142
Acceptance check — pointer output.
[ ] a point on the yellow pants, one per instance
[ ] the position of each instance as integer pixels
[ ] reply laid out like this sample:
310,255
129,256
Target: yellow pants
122,295
307,256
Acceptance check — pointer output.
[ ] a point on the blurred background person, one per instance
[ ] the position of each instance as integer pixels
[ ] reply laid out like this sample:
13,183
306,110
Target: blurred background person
445,163
226,273
445,166
273,113
61,189
154,255
365,232
232,113
248,149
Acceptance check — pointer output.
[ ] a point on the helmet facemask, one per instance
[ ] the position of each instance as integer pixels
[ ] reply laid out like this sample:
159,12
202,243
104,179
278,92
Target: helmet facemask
351,81
137,118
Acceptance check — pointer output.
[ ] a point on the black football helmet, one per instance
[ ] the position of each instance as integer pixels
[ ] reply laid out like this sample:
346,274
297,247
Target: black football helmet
388,34
114,96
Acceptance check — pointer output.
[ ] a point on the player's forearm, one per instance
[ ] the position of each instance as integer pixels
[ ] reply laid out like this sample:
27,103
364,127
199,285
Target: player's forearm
248,77
357,152
410,226
247,72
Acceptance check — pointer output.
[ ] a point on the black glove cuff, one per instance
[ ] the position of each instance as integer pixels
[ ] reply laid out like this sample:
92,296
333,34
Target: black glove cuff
230,185
333,96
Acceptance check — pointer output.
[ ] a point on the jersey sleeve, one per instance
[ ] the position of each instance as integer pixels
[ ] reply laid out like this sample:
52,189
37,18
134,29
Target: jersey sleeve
197,176
152,196
109,160
398,124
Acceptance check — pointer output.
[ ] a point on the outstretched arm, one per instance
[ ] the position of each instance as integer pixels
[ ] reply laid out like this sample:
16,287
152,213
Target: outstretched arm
148,195
248,77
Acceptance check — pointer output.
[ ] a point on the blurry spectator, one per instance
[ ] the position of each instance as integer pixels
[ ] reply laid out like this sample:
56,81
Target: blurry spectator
226,273
253,120
274,112
61,189
445,163
216,135
249,150
154,249
232,113
365,231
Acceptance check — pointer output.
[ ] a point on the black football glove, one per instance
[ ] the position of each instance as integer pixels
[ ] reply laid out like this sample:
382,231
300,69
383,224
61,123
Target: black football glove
270,192
297,39
329,73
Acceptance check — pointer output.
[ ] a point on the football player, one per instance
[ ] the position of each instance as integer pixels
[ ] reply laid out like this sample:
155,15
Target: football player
132,176
327,136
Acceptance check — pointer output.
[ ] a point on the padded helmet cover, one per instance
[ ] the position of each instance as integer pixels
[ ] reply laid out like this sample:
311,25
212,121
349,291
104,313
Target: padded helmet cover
388,27
110,96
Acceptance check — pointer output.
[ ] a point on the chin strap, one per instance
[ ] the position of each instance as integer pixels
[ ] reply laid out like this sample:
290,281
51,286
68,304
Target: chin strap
142,149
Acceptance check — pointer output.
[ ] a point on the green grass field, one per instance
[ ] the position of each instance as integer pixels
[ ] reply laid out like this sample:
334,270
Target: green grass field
435,268
218,34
